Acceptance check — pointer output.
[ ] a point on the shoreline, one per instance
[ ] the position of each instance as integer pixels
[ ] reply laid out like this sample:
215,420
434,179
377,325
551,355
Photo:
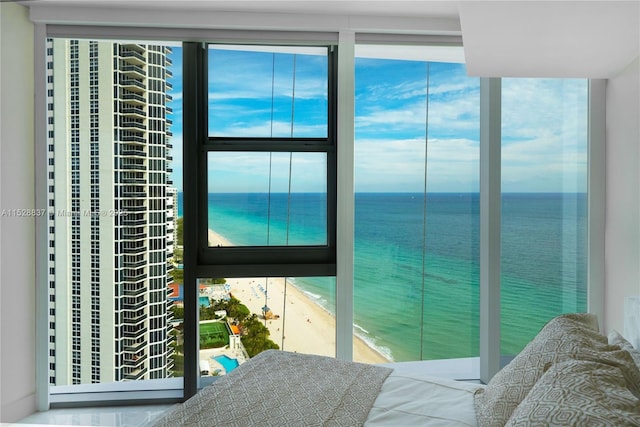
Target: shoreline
302,325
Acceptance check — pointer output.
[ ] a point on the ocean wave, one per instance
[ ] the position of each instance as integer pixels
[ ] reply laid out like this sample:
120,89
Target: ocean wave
371,342
312,295
356,326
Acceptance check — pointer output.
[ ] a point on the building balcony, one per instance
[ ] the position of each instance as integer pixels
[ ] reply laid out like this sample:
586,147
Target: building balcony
133,153
134,112
135,191
132,125
132,57
135,361
133,98
134,222
133,324
136,374
134,271
132,70
137,336
133,85
133,166
134,236
134,306
134,347
134,264
138,250
134,278
133,138
133,293
170,351
135,47
133,181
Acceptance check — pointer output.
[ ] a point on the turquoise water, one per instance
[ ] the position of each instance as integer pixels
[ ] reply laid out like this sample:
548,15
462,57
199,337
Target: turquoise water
416,281
227,363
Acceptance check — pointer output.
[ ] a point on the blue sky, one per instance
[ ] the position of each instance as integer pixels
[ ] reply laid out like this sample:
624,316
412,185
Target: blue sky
253,93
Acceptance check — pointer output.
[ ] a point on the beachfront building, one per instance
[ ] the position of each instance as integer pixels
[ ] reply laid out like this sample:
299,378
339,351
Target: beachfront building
111,212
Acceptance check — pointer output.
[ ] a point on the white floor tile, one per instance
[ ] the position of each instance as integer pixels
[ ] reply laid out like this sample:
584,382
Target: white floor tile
122,416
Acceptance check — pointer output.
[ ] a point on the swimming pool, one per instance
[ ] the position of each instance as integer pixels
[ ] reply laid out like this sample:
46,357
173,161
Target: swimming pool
227,363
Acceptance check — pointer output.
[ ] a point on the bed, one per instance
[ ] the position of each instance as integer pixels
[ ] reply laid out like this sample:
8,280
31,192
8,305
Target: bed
569,374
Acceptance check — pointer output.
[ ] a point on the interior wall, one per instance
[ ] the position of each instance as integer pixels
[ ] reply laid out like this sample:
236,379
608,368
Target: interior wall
17,228
622,225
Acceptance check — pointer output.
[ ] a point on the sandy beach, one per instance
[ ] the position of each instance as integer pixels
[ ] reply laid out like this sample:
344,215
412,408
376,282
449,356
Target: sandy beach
302,325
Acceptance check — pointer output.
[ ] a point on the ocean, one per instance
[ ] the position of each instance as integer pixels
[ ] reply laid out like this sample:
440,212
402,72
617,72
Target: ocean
416,277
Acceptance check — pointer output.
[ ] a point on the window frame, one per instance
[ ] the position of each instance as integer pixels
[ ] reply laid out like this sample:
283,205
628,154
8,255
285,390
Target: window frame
255,261
345,39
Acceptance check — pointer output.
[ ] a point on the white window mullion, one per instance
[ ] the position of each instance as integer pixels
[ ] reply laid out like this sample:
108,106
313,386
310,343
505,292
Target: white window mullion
490,191
596,198
345,196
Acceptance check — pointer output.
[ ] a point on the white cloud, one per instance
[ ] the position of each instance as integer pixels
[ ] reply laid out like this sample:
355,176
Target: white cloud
459,114
534,107
399,165
544,164
266,129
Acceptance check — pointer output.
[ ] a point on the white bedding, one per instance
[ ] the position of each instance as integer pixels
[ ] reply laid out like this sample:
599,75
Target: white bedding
410,398
278,388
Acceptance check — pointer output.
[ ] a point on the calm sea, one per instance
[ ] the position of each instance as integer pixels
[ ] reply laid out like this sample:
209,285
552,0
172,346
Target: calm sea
416,278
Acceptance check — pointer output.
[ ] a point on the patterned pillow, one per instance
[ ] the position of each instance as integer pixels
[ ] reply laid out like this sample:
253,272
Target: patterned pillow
616,339
564,335
578,393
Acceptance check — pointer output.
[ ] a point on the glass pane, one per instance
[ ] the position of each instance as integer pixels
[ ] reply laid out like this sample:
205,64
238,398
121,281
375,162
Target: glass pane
544,205
268,91
267,199
416,220
241,317
112,212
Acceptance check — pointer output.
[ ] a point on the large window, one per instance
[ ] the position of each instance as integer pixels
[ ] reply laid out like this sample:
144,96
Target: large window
171,259
112,205
544,205
416,204
270,158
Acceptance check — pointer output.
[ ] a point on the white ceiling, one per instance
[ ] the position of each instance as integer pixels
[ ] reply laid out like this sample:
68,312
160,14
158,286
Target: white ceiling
579,38
595,39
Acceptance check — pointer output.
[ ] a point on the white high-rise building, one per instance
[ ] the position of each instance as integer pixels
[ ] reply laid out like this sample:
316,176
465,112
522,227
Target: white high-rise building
111,213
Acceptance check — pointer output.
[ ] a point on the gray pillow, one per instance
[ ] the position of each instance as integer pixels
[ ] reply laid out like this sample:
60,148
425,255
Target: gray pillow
564,335
578,393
